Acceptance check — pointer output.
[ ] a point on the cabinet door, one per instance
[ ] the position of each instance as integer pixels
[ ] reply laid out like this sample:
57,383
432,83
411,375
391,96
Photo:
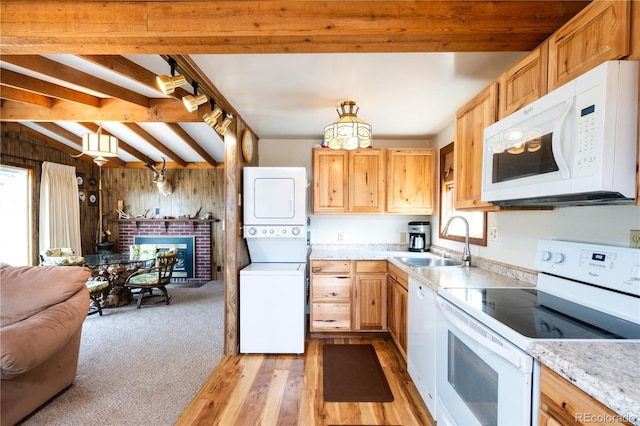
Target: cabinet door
562,403
471,120
600,32
330,181
411,181
366,181
525,82
401,305
371,302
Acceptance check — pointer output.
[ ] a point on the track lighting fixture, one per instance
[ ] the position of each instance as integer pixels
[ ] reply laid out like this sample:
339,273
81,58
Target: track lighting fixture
211,118
221,128
168,84
192,102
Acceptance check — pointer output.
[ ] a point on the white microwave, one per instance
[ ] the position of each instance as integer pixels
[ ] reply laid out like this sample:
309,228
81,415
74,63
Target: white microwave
577,145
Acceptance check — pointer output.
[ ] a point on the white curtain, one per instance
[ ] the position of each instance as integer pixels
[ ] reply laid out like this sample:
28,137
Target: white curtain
59,208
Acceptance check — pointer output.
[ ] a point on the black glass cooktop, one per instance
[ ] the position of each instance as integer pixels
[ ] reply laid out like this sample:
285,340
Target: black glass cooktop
536,314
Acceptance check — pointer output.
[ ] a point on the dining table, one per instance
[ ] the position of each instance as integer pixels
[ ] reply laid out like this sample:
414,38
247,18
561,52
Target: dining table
116,268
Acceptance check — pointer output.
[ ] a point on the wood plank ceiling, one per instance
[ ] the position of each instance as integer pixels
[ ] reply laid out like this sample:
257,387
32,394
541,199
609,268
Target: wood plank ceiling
101,31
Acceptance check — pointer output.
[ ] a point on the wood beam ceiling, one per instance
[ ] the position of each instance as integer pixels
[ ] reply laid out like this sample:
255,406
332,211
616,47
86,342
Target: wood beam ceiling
265,26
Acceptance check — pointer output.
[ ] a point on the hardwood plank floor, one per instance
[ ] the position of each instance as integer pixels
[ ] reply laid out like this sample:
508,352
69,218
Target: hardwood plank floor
287,390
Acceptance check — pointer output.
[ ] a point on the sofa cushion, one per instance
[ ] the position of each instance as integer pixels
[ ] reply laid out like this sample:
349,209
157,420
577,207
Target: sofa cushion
26,290
29,343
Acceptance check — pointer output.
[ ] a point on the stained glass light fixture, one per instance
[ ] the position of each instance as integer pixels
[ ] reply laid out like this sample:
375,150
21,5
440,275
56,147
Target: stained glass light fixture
349,131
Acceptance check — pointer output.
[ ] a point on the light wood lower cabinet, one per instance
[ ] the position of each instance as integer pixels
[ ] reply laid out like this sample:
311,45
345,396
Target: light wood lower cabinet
330,294
562,403
397,306
348,295
370,296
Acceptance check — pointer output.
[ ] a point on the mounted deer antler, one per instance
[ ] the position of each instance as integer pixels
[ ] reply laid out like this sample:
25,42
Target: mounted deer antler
164,186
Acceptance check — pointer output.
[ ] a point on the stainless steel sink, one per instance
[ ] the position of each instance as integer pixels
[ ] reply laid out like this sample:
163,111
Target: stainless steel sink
429,261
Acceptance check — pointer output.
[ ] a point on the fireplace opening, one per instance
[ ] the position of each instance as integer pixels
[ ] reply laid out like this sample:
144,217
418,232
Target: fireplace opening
185,246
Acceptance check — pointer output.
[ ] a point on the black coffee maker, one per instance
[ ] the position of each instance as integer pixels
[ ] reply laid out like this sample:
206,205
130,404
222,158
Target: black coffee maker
419,236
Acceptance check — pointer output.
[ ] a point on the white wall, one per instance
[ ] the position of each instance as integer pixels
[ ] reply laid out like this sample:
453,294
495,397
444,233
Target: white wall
518,231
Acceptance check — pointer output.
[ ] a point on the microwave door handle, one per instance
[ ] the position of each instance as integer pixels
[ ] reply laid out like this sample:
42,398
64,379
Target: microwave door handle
514,358
558,142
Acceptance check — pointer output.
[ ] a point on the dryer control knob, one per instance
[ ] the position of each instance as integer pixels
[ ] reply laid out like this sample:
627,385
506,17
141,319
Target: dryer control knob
295,231
253,231
546,256
284,231
558,258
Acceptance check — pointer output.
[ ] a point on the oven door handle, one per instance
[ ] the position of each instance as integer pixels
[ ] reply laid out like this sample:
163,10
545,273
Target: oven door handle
477,333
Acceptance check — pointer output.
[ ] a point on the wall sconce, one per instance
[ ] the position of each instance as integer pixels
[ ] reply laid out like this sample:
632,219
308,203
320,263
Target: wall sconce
348,132
192,102
211,118
221,128
168,84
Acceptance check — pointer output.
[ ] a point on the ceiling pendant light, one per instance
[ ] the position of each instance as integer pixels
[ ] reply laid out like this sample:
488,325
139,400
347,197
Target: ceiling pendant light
348,132
99,145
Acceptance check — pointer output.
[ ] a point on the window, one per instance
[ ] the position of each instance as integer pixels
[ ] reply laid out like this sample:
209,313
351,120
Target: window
15,215
477,220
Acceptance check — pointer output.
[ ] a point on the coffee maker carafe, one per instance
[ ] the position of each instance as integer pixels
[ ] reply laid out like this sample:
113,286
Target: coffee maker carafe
419,236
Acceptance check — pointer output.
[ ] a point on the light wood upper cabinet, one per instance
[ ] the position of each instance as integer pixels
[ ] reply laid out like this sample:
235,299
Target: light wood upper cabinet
471,120
562,403
524,82
348,181
366,181
411,181
330,181
600,32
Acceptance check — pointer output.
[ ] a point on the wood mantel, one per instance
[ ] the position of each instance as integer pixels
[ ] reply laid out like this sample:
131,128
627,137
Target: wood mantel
167,222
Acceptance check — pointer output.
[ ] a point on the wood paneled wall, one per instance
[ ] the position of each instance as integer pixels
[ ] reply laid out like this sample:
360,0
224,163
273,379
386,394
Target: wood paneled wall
192,189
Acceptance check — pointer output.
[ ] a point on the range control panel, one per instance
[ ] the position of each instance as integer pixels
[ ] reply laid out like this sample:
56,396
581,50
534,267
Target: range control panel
616,268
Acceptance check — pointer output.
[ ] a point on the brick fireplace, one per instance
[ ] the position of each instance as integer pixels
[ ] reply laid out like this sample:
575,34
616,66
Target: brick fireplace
200,230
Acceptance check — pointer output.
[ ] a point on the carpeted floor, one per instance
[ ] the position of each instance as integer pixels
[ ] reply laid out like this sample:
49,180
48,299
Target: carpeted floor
143,367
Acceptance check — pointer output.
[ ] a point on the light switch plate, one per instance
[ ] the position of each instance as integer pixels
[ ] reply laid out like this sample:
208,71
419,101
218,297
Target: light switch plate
634,238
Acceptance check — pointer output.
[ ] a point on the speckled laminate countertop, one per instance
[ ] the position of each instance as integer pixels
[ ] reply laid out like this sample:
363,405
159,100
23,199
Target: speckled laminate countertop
609,372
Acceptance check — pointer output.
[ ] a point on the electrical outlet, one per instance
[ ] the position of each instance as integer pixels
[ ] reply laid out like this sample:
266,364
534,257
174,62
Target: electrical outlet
340,237
634,238
493,233
157,210
403,237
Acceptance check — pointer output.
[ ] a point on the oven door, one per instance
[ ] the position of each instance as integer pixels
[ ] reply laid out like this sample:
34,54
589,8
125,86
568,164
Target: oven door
482,379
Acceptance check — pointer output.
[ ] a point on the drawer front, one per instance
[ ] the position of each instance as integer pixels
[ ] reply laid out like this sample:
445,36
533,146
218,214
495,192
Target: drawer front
371,266
331,317
398,276
330,288
330,266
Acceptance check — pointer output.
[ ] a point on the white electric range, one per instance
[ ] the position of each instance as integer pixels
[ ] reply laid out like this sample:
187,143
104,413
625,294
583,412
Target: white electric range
585,292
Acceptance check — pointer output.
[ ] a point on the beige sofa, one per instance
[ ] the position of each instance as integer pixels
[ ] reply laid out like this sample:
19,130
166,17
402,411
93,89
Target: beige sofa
42,310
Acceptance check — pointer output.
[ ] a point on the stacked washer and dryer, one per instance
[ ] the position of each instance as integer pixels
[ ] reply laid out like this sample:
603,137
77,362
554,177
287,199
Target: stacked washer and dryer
273,286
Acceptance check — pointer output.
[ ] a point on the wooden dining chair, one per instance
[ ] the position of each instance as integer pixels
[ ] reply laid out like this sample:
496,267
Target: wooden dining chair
157,276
